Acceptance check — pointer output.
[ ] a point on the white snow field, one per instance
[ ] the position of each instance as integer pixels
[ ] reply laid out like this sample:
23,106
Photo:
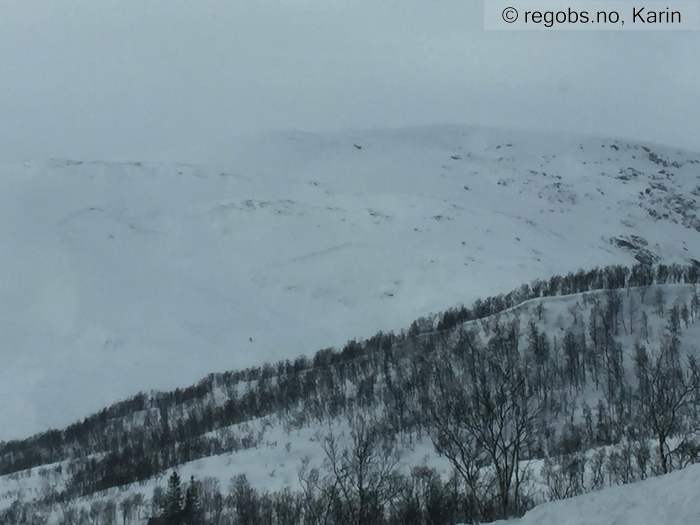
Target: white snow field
120,277
665,500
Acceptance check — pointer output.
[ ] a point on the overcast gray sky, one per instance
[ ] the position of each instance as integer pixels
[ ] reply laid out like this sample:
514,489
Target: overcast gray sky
174,79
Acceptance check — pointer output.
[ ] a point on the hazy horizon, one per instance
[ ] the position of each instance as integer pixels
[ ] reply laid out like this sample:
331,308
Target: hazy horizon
177,81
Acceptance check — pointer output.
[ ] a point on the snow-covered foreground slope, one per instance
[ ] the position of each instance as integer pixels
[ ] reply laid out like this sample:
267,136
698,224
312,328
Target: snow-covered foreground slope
120,277
671,499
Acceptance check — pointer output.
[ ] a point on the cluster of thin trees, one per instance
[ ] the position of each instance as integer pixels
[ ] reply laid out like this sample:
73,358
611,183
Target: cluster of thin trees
494,388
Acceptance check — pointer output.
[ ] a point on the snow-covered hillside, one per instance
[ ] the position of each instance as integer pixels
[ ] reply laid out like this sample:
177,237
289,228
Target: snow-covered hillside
121,277
670,499
270,450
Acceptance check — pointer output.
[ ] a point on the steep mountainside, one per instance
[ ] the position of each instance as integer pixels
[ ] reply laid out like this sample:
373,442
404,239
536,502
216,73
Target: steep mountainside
128,277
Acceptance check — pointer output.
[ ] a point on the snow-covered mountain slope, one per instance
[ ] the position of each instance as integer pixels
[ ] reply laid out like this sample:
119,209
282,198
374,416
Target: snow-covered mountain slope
270,449
121,277
670,499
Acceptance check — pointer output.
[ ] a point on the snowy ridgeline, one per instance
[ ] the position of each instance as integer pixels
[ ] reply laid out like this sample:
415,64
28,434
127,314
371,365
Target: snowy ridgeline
562,343
137,276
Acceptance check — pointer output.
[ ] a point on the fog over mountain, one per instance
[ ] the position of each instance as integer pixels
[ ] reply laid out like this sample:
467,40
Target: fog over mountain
124,80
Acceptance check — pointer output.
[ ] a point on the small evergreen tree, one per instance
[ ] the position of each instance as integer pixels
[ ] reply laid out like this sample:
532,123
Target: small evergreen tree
192,511
172,510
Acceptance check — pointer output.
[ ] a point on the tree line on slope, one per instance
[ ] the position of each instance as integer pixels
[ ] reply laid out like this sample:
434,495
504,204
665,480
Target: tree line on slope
109,429
547,376
360,482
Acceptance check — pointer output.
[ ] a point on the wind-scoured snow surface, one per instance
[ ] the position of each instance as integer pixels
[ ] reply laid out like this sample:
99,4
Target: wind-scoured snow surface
670,500
117,277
